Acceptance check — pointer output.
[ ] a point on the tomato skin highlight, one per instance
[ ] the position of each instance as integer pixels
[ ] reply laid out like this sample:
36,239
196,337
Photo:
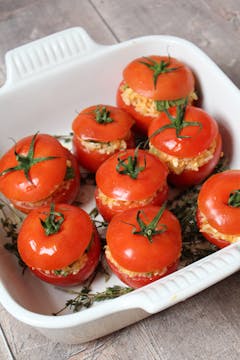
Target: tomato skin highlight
150,184
213,205
86,128
170,86
82,275
57,250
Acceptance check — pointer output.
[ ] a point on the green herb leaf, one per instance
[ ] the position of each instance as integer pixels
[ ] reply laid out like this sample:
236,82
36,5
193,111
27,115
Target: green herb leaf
53,221
234,198
158,68
70,174
25,162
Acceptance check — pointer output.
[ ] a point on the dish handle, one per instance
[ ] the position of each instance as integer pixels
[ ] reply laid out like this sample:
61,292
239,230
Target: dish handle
188,281
46,53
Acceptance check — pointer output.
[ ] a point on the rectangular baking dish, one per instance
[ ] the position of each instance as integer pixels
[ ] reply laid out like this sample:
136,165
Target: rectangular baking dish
47,81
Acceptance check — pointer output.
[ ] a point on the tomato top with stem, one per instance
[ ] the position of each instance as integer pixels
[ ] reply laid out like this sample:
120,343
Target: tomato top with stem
102,123
149,176
159,77
46,162
186,138
74,231
132,248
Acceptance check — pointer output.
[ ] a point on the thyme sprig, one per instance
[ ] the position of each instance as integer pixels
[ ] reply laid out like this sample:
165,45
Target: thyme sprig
10,221
65,138
25,162
178,122
85,298
130,165
158,68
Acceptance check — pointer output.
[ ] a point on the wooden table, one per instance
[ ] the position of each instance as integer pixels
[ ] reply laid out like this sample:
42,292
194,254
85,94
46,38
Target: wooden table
207,326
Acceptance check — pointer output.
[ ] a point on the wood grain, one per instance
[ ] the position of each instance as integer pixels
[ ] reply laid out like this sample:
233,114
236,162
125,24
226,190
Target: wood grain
205,327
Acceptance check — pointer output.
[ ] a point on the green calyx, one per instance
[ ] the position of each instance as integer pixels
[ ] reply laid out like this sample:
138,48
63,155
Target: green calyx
149,230
130,165
25,162
234,198
102,115
178,123
53,221
162,105
158,68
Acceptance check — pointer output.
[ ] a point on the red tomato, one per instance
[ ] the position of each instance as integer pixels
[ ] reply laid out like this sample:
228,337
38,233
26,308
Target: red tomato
214,206
170,85
46,180
136,259
100,125
47,255
149,186
191,143
155,78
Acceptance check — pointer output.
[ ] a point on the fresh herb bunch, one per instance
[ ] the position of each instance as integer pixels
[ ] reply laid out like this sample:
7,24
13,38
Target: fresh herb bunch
11,221
85,298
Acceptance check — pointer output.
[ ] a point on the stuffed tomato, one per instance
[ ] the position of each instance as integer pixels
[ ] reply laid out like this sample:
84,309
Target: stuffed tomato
218,210
100,131
152,84
130,179
187,139
143,245
38,170
59,244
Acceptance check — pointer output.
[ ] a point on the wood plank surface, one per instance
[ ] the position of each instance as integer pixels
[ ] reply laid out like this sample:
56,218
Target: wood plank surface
207,326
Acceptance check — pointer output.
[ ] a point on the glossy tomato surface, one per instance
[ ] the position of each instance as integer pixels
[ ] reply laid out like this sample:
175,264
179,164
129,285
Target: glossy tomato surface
60,249
91,160
213,202
122,186
66,192
86,127
136,252
170,85
45,176
83,274
199,138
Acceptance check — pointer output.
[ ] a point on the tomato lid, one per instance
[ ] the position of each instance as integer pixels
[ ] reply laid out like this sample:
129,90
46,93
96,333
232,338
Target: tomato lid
123,187
58,250
45,176
175,82
136,252
213,202
116,126
194,138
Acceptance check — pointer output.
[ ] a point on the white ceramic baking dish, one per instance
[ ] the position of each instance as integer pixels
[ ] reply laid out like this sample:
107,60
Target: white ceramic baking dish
47,82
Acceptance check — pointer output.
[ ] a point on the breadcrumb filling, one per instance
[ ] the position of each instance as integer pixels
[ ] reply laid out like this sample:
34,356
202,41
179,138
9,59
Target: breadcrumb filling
71,269
132,273
146,106
207,228
178,165
110,202
103,147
